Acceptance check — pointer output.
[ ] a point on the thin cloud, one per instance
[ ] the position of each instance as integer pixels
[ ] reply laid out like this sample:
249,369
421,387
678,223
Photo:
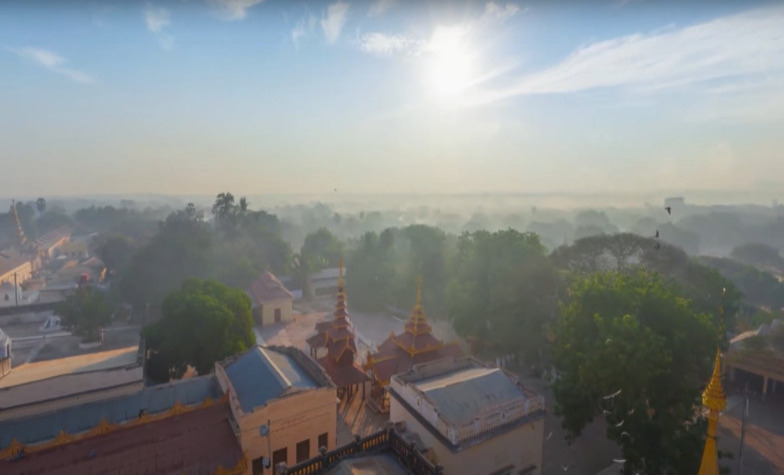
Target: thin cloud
334,20
234,9
53,62
302,29
383,44
495,12
738,48
157,18
379,7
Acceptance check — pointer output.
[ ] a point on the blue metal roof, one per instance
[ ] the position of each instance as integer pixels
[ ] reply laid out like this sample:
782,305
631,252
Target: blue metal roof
263,374
75,419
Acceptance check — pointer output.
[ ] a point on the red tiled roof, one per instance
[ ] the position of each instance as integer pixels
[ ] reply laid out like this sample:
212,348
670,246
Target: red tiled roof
343,376
391,359
268,288
194,442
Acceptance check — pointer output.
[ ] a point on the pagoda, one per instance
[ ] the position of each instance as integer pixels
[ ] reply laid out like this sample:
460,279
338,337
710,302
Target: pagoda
399,353
337,337
714,399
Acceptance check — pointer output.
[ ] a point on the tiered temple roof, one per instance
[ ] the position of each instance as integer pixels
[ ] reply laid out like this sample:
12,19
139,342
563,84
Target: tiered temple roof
399,353
337,336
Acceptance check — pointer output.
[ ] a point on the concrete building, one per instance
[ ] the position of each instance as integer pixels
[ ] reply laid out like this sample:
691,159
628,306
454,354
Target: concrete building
476,419
52,385
74,250
271,300
287,394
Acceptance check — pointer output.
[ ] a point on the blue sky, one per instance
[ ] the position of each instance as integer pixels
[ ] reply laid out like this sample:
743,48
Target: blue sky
196,96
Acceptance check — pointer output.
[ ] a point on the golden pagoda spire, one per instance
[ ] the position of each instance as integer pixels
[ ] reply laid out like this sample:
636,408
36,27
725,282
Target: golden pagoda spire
715,400
419,292
340,275
417,320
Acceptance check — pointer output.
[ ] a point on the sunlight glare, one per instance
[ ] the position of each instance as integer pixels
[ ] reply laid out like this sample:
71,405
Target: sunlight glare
451,69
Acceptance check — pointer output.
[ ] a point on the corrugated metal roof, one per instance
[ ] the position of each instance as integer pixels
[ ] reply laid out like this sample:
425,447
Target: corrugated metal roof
263,374
463,394
75,419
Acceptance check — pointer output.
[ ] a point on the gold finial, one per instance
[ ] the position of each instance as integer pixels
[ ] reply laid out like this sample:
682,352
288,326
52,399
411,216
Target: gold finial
340,276
419,291
713,397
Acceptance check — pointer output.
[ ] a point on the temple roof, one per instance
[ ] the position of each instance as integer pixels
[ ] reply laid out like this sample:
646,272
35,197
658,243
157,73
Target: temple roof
343,375
267,288
416,344
713,397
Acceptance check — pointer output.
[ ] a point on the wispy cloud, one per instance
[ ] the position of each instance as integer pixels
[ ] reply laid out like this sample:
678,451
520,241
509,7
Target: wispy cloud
383,44
53,62
234,9
379,7
303,28
496,12
736,48
156,17
333,21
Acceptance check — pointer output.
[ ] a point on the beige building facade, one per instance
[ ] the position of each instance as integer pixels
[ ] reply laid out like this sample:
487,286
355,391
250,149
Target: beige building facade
474,419
271,300
285,412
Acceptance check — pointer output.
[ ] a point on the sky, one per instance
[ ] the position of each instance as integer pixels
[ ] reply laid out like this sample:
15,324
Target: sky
389,96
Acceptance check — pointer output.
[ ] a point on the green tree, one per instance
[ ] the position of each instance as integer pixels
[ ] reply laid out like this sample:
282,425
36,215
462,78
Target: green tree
115,252
203,322
629,347
504,291
40,205
85,312
370,273
323,248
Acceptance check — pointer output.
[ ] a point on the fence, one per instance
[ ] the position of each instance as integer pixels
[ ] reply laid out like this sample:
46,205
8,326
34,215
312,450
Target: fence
386,440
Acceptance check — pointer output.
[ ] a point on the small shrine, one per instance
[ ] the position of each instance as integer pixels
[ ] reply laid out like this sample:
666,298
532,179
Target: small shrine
334,347
399,353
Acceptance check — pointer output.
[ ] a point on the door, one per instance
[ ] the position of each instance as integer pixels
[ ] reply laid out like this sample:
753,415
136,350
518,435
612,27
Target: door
277,315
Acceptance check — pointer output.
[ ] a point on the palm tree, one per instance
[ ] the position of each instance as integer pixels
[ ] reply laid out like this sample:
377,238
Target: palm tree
40,205
302,267
224,207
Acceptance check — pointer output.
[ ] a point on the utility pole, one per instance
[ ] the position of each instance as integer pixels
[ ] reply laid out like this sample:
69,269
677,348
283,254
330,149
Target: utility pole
16,292
743,426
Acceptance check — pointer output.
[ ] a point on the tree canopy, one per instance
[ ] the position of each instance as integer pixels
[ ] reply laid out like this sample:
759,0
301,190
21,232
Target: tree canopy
630,347
85,312
203,322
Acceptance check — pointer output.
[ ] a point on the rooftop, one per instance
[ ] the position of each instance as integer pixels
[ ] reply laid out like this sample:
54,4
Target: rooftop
267,288
382,464
463,395
30,372
76,419
10,260
263,374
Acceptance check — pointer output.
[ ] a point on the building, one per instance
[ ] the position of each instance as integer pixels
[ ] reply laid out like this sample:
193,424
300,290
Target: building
180,427
399,353
715,401
271,300
475,419
334,346
52,385
10,294
74,249
752,358
15,268
207,424
285,391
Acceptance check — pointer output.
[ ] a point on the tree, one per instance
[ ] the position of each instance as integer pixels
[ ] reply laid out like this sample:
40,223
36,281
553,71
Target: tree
760,255
85,312
323,248
629,347
224,209
40,205
115,252
504,291
203,322
369,273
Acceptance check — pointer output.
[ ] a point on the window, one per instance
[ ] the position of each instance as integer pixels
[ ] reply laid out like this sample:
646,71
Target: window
303,450
322,441
277,315
279,456
258,466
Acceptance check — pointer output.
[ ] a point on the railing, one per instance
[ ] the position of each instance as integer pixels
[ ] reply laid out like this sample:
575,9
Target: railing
385,440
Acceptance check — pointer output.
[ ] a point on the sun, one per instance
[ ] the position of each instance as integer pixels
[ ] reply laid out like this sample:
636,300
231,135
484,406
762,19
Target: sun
451,65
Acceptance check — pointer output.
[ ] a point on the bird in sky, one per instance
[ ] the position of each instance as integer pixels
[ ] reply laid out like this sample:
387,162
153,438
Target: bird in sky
657,234
669,209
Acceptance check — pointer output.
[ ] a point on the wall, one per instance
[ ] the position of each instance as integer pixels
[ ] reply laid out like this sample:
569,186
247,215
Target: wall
517,449
5,366
268,311
293,418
